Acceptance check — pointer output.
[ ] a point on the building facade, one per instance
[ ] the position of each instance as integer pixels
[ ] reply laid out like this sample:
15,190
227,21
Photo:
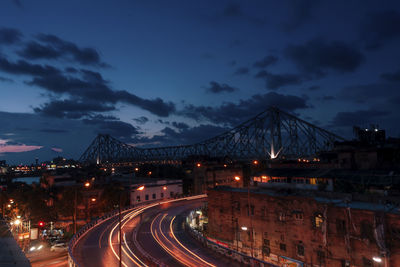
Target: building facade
305,229
153,189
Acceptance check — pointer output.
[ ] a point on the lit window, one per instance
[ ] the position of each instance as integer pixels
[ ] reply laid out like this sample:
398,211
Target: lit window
318,220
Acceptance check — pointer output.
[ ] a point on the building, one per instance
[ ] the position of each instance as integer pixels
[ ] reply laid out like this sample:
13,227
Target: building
306,228
148,189
210,174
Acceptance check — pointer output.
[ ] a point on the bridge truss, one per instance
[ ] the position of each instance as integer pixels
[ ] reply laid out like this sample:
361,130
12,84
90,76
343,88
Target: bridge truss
271,134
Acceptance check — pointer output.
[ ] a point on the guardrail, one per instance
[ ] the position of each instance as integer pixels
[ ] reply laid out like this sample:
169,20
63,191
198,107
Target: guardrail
230,253
85,229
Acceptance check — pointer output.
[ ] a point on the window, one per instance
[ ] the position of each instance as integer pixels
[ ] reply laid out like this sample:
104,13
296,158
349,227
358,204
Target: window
340,226
162,195
282,216
237,205
367,262
171,194
264,212
266,242
146,197
298,215
138,198
154,196
300,249
318,220
345,263
367,231
266,250
251,211
282,247
321,256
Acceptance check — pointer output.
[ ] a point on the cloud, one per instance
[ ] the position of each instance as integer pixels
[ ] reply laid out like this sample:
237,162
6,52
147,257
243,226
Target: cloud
93,88
56,149
379,28
314,88
116,128
180,125
318,56
241,71
71,108
141,120
47,130
300,12
391,77
22,67
217,88
6,147
265,62
328,98
185,136
3,79
230,113
370,93
232,10
34,50
9,36
50,46
276,81
17,148
360,117
90,87
17,3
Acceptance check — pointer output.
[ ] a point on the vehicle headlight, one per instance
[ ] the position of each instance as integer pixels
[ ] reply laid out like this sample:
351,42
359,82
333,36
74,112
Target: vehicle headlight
40,247
32,248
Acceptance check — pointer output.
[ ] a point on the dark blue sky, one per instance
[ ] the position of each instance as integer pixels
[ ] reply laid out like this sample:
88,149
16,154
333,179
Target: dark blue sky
177,72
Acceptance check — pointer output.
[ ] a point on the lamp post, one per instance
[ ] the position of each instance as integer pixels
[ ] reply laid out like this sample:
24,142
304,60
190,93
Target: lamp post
86,185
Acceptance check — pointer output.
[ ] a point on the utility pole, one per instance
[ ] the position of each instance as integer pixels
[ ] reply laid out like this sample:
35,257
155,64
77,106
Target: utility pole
120,233
75,200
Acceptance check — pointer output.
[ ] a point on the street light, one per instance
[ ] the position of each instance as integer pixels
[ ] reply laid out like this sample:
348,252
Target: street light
141,188
17,222
87,184
244,228
377,259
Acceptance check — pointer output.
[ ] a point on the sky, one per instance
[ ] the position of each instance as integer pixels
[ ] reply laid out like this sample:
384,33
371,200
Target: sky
158,73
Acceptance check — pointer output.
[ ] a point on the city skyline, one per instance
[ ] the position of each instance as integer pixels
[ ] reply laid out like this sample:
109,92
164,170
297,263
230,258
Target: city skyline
160,73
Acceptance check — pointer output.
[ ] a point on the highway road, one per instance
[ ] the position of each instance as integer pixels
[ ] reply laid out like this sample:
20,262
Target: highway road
152,236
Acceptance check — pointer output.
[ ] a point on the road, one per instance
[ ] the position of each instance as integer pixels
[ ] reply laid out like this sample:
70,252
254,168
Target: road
152,236
48,258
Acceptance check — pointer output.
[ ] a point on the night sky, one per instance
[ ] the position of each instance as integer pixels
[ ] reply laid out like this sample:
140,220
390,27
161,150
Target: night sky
156,73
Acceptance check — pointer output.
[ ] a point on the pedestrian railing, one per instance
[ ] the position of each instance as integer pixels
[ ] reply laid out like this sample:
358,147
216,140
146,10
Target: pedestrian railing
228,252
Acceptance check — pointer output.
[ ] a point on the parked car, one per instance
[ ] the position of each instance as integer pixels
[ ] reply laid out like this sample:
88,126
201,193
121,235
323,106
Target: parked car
59,246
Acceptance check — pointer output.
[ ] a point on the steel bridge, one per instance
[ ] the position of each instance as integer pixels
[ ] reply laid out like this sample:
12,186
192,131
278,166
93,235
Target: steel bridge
269,135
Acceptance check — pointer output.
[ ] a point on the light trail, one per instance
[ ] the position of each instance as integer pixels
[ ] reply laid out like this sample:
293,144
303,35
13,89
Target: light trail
176,239
155,236
132,214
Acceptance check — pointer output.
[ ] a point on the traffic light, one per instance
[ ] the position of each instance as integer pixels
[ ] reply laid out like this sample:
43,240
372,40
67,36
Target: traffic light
40,224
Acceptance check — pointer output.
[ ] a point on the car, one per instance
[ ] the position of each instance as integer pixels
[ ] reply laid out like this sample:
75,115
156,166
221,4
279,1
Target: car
36,246
59,246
